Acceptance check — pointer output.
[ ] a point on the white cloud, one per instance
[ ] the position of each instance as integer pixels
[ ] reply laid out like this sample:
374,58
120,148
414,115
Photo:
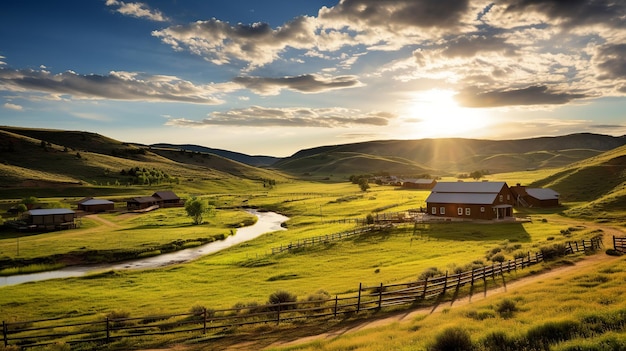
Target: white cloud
11,106
257,116
138,10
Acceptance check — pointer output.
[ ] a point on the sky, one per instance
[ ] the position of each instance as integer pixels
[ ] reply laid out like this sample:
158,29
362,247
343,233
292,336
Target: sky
274,77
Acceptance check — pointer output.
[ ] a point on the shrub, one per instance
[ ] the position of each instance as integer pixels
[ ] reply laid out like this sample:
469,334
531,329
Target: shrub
429,273
283,296
117,318
452,339
499,341
498,258
551,252
613,252
540,337
506,308
479,316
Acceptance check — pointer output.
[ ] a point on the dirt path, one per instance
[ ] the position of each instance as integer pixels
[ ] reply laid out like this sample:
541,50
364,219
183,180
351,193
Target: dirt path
598,259
102,221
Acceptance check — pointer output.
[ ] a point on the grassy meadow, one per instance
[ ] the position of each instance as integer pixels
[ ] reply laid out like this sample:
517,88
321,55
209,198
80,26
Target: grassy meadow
248,273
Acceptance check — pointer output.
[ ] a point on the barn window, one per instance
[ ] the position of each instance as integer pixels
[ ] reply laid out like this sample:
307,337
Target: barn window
501,198
508,197
442,210
434,210
482,209
460,211
467,211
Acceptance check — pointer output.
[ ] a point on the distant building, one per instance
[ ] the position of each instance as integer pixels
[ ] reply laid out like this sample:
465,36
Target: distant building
418,183
90,204
535,197
50,219
158,199
471,200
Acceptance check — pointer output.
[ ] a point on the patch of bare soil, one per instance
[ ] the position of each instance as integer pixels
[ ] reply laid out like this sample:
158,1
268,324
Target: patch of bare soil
102,221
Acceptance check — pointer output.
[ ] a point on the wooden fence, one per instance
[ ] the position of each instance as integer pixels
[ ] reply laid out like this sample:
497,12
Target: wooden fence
619,244
68,330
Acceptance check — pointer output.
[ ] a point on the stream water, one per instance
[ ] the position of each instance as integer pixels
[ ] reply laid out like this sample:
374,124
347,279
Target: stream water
267,222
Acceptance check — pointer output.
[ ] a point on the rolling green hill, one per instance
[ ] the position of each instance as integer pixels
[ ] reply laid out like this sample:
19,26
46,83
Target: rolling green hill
598,184
67,161
455,155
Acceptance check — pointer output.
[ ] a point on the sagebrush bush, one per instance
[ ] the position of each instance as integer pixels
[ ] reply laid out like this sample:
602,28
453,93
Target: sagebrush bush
499,341
430,272
541,336
506,308
452,339
283,296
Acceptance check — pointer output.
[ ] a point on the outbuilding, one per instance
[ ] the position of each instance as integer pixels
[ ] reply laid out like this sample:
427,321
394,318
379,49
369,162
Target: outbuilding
50,219
471,200
95,205
535,197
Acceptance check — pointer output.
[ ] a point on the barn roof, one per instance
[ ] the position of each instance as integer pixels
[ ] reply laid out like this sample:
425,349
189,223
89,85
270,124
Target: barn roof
94,202
542,193
145,199
468,187
50,211
461,198
166,195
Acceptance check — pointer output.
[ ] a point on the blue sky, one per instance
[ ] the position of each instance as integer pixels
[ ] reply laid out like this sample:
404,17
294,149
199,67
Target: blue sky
275,76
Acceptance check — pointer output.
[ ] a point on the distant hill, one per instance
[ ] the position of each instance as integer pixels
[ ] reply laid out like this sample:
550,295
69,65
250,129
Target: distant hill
454,155
259,161
44,158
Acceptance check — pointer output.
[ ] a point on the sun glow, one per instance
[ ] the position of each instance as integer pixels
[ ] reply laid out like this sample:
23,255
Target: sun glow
437,114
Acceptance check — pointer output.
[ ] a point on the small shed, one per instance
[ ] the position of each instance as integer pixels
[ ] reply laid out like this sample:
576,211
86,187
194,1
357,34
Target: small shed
471,200
95,205
535,197
141,203
50,219
418,183
168,199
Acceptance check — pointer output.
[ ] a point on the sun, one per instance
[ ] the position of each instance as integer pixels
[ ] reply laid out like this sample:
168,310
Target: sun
437,114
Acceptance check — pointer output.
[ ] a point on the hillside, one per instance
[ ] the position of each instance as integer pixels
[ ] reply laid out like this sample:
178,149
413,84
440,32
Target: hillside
38,158
454,155
258,161
597,183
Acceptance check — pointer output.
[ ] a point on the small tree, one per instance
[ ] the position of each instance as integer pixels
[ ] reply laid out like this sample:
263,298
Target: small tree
196,208
364,184
30,202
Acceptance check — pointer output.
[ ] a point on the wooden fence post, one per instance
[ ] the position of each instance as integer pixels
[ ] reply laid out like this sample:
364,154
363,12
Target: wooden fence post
278,315
576,242
380,296
445,285
5,331
358,300
336,302
614,243
204,317
108,330
425,287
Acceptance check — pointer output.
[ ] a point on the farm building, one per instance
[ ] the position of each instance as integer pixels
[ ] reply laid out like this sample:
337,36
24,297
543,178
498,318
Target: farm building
418,183
535,197
90,204
50,219
158,199
471,200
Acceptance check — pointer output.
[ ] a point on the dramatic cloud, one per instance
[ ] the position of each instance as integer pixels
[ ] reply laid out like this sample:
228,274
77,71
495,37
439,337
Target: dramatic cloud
469,46
11,106
258,44
612,61
535,95
571,13
307,83
138,10
395,16
256,116
116,86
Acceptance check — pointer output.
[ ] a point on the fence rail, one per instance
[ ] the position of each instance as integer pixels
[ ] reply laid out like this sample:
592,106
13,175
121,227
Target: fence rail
619,244
72,330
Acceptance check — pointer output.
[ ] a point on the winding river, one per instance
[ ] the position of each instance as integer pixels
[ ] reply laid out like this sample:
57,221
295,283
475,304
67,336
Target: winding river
267,222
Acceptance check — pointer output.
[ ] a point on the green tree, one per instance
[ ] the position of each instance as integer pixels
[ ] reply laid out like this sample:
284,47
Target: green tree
364,184
30,202
196,209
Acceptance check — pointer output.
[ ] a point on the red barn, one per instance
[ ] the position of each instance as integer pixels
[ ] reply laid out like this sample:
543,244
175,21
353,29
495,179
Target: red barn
471,200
